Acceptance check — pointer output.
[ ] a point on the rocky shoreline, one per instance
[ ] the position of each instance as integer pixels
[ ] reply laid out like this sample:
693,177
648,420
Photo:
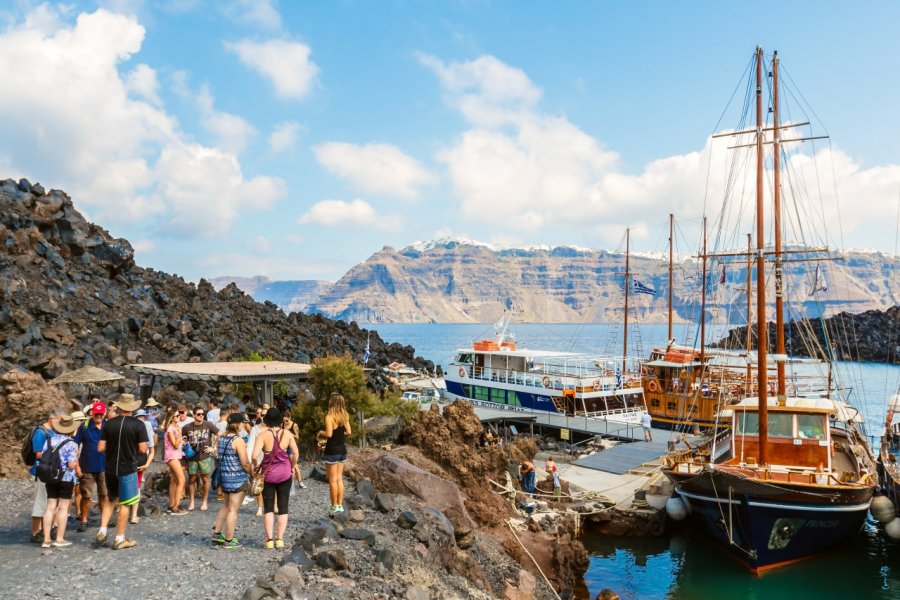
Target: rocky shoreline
872,336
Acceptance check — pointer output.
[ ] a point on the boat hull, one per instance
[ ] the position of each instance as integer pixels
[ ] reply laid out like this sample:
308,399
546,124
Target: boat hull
767,525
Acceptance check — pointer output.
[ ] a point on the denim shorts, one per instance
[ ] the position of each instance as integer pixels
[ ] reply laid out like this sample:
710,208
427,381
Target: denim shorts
333,459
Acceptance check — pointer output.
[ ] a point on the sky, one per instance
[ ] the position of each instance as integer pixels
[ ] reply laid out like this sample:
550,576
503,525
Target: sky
294,139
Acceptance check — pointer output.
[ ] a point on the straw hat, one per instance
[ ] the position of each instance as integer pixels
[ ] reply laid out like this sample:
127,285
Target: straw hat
77,415
127,403
65,426
151,402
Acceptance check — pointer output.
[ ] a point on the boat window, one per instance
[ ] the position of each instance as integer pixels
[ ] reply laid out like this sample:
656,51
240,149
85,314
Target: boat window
481,392
748,423
498,395
810,427
781,425
465,358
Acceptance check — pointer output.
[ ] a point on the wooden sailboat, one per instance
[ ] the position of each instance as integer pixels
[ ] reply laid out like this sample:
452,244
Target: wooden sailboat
797,483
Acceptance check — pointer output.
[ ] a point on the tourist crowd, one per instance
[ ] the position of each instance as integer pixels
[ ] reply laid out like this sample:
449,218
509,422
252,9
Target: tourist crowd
101,454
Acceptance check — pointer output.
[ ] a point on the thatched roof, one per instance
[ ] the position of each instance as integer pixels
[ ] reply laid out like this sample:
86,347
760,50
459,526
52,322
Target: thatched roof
90,376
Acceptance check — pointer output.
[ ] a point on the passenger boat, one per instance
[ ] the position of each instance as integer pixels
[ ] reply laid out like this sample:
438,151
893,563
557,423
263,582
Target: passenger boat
497,373
799,477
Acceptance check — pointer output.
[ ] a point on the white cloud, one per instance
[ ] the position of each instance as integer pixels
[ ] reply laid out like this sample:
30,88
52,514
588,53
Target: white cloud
80,125
141,81
357,212
284,63
283,136
257,13
232,131
295,238
374,168
261,244
274,266
144,245
206,189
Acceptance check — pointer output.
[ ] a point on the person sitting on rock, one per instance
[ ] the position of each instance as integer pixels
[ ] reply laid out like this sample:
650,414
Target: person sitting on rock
527,476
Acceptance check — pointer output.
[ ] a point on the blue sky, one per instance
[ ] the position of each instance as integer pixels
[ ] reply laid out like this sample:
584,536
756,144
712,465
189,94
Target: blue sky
294,139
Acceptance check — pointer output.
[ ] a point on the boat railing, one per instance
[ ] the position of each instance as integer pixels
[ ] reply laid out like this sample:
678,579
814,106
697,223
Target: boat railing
600,381
628,410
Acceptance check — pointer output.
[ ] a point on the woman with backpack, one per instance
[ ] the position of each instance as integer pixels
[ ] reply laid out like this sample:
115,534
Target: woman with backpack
234,473
57,470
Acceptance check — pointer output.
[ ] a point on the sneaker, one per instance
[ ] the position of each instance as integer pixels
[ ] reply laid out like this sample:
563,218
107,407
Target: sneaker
302,485
269,545
340,508
232,543
279,544
82,527
45,544
126,543
217,538
37,538
179,512
332,510
101,538
62,544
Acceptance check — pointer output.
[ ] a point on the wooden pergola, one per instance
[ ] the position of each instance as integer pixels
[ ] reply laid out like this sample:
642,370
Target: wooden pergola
262,374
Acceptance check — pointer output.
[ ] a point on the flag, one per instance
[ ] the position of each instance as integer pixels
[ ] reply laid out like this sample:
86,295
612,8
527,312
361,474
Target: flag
722,276
618,376
366,355
641,288
819,284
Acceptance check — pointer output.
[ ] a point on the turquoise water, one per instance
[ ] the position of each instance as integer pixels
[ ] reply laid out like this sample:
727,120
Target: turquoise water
686,564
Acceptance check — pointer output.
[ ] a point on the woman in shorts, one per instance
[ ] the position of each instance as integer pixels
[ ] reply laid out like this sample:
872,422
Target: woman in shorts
279,451
173,455
234,470
337,428
59,493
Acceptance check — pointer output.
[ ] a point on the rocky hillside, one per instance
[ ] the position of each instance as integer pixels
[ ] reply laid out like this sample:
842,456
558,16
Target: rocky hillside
71,295
459,281
873,336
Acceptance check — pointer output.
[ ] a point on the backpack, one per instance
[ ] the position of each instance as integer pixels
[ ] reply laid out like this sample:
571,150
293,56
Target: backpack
28,454
50,468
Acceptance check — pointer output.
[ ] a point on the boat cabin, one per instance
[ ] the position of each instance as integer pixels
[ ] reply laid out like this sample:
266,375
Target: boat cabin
799,433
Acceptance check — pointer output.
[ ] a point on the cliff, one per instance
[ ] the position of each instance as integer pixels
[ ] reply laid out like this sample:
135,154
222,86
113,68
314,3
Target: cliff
459,281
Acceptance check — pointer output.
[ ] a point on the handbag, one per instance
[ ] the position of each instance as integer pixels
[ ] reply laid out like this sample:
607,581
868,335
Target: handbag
258,481
188,450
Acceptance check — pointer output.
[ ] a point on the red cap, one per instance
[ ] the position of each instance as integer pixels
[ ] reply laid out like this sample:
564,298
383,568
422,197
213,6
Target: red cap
98,408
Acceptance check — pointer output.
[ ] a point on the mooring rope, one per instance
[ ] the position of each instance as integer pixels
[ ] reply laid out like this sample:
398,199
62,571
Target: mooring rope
550,585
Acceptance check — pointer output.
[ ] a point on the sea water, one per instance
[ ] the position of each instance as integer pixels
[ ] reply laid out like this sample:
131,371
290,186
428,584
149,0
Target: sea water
685,564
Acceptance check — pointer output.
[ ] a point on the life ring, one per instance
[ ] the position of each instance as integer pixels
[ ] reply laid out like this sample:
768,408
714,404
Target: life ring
462,371
545,381
653,385
596,385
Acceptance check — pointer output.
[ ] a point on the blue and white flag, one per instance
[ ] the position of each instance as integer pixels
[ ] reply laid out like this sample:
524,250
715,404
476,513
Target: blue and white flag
366,355
641,288
618,376
819,285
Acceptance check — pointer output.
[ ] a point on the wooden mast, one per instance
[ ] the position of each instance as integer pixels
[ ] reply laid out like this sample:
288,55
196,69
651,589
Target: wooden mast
627,286
703,299
761,337
749,310
671,238
779,284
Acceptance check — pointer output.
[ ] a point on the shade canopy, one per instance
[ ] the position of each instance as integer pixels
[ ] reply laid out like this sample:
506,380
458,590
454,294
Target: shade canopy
89,376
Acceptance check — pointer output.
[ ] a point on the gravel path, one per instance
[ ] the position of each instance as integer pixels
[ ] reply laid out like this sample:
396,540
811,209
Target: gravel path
173,556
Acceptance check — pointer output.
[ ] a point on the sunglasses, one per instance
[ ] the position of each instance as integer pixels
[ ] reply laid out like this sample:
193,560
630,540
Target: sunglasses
182,412
198,414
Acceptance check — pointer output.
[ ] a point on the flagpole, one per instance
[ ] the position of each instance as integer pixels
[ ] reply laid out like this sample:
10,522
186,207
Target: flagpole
703,299
627,285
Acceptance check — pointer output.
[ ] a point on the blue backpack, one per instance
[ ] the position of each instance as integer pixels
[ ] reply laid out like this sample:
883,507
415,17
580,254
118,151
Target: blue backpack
50,468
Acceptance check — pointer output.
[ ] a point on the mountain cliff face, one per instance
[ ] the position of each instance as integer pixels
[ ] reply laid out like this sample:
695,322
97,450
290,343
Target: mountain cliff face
455,281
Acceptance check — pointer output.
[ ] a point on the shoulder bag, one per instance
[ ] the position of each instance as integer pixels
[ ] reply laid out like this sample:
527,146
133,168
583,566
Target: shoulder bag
259,479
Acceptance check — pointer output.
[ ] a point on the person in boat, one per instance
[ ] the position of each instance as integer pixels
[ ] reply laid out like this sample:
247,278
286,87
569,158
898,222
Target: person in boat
527,476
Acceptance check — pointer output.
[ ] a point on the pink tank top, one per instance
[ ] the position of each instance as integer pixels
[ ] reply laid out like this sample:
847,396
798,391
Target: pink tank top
276,464
172,453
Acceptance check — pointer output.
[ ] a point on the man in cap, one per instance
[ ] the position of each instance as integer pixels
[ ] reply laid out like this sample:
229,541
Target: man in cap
123,439
38,444
91,462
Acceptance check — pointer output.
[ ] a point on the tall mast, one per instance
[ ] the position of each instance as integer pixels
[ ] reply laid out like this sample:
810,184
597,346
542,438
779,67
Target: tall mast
761,337
671,237
749,310
703,298
627,286
779,286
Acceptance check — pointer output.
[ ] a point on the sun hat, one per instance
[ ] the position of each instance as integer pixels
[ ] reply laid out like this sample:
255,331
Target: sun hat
272,417
265,407
77,415
65,425
98,408
151,402
127,403
140,413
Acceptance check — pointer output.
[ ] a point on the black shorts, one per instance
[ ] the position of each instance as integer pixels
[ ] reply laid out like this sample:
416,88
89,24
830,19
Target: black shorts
60,491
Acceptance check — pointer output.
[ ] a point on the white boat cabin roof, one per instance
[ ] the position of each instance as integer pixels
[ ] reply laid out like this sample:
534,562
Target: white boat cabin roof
823,405
538,354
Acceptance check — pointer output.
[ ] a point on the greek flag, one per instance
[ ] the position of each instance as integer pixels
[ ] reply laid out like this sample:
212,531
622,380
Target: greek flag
618,376
641,288
366,355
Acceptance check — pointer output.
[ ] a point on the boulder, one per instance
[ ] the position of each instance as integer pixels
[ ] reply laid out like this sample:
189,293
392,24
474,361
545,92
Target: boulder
333,558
